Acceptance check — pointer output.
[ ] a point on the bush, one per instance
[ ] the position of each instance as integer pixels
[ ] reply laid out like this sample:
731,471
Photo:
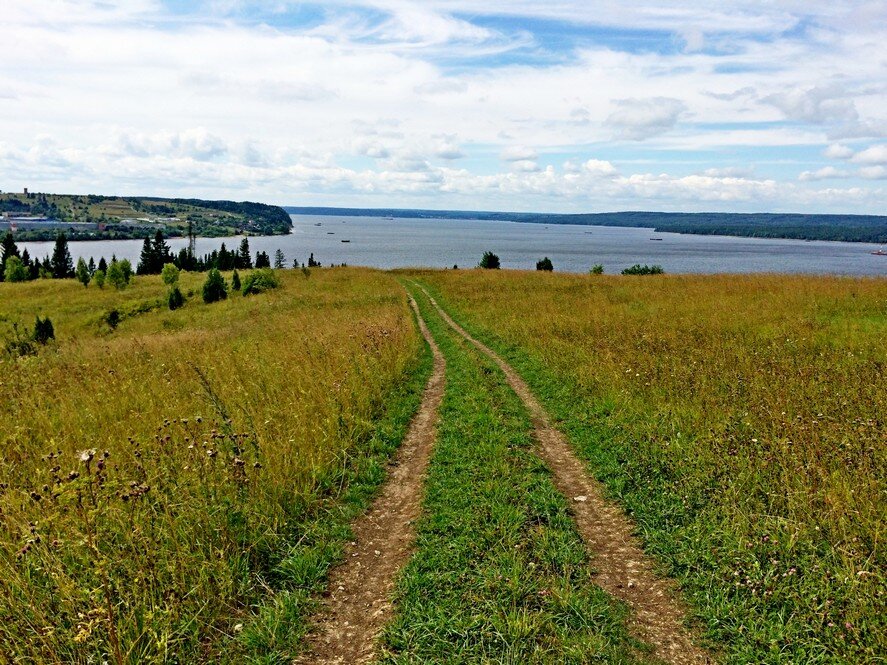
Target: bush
82,272
43,330
170,274
638,269
489,261
99,278
214,288
175,298
544,264
16,271
597,269
235,281
112,318
260,280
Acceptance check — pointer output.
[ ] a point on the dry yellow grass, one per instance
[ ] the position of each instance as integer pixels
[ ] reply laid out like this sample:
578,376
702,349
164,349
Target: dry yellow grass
219,422
741,418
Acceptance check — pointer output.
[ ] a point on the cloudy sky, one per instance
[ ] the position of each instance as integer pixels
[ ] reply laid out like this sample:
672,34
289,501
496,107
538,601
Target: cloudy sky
558,105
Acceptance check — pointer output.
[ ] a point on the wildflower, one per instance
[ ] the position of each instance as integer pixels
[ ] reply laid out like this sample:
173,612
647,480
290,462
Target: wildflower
87,455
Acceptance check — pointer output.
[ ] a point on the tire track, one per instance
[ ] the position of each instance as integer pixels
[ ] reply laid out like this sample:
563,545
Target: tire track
358,603
622,568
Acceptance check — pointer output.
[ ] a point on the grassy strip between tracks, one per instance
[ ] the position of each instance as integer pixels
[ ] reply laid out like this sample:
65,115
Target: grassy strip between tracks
500,573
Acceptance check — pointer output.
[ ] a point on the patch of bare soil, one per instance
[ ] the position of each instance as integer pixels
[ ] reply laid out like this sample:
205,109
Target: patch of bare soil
358,602
622,568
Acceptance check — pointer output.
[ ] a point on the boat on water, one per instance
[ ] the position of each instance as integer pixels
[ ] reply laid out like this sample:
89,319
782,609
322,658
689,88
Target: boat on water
879,252
344,241
657,239
319,224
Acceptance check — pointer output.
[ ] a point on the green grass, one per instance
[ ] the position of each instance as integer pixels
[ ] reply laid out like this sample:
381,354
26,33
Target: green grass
500,574
746,441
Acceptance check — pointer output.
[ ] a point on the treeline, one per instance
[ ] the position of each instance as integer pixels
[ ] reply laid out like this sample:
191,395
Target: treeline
19,266
845,228
270,220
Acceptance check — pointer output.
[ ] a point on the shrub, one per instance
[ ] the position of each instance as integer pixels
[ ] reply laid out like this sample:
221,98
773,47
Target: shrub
489,261
235,281
260,280
43,330
16,271
112,318
19,344
175,298
544,264
596,269
126,267
99,278
214,288
639,269
170,274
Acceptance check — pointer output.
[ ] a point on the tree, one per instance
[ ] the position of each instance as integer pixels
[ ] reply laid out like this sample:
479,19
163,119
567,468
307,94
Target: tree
638,269
99,278
170,274
597,269
489,261
116,276
146,258
244,261
162,253
8,249
126,267
214,288
279,259
91,266
312,263
175,298
83,275
62,265
544,264
15,270
263,260
235,281
103,265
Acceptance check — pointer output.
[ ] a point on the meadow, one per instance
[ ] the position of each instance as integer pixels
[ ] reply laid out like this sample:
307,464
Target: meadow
173,489
740,420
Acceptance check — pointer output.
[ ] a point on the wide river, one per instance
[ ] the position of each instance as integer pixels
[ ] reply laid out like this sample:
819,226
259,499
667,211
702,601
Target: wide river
439,243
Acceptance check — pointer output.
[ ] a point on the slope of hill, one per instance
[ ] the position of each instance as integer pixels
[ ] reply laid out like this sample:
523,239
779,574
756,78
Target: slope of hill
39,216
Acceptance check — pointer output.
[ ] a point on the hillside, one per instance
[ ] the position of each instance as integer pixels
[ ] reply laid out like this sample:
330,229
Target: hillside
667,469
846,228
39,216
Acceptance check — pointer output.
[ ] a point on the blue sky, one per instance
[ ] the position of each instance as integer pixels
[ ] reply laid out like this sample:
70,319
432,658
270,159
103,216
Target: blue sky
565,105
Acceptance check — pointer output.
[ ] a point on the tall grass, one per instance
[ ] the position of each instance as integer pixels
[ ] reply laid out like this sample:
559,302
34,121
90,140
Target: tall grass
152,476
741,419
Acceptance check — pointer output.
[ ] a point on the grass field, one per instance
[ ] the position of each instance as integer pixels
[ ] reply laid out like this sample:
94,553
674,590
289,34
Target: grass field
168,487
175,488
740,420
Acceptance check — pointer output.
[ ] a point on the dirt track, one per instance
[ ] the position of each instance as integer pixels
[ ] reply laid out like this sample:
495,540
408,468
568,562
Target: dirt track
622,568
358,604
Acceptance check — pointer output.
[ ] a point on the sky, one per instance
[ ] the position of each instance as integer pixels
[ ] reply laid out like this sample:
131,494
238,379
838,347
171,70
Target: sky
557,106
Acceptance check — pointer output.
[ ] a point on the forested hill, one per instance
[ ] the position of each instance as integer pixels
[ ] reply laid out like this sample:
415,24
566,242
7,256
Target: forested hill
40,216
848,228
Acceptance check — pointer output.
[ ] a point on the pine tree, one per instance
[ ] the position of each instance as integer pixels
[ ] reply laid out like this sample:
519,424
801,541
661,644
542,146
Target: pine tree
279,259
162,254
83,275
235,281
103,265
263,260
91,266
146,258
244,261
62,264
214,288
9,249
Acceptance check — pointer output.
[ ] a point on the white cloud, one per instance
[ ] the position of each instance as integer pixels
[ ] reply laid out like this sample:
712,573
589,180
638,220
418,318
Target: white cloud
873,172
818,104
639,119
876,154
518,153
825,173
838,151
